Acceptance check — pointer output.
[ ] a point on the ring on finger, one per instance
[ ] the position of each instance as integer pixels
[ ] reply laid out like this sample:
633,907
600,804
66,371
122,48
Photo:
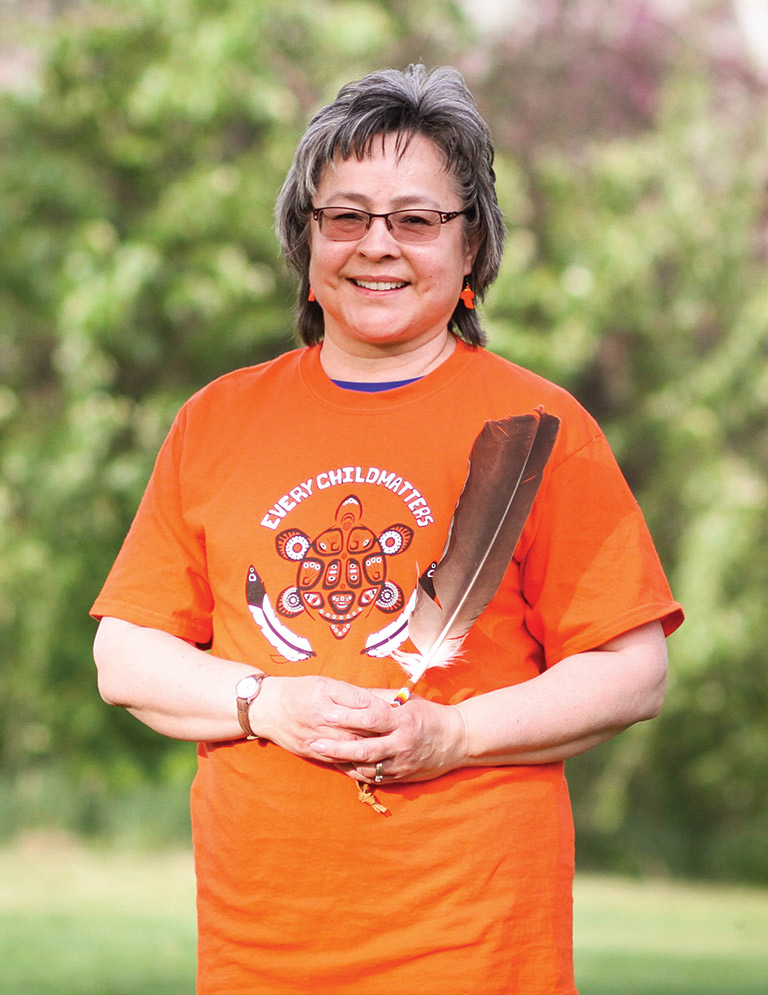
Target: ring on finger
379,776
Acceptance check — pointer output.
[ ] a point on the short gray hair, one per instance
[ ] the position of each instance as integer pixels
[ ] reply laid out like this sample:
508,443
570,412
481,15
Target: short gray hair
436,105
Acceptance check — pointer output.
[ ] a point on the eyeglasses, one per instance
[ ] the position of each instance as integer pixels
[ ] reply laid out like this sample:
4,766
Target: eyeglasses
348,224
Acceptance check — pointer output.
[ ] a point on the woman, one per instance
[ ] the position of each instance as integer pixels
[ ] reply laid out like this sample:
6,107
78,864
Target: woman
290,512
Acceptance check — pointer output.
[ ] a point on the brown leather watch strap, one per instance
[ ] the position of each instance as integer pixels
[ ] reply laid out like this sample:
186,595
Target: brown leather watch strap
244,704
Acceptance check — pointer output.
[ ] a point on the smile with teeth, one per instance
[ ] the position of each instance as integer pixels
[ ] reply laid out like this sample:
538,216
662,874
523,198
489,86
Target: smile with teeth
383,285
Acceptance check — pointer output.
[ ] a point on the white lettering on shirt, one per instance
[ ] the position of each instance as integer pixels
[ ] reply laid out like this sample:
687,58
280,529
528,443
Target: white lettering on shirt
343,476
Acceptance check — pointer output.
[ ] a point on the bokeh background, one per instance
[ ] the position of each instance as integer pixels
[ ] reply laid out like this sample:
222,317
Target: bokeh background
142,144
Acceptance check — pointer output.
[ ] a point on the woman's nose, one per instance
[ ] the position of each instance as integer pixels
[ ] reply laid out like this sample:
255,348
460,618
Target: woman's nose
379,240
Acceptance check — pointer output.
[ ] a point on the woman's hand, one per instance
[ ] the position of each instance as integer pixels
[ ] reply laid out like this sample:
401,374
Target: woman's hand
582,701
414,742
183,692
297,712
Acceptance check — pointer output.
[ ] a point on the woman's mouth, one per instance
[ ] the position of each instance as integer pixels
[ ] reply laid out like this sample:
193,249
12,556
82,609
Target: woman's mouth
380,284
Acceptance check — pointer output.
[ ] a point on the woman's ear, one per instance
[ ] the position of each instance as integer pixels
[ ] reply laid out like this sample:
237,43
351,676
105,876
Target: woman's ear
471,245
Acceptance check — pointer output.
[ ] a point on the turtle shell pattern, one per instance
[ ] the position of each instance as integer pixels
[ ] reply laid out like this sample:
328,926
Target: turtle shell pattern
342,573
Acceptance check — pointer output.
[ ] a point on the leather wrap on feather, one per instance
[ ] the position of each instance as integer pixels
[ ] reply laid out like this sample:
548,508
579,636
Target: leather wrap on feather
506,465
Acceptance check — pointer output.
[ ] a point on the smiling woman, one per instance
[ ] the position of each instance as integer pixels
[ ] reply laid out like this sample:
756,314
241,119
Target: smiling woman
362,116
269,587
386,301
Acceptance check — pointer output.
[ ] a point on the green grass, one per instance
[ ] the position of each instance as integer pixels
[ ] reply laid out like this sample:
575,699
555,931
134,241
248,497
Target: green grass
659,938
76,921
82,921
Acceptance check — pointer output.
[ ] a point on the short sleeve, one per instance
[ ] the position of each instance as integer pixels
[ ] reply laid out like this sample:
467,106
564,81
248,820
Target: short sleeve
590,571
159,578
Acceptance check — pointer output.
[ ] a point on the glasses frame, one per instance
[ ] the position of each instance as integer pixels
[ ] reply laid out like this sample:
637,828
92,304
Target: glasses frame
444,217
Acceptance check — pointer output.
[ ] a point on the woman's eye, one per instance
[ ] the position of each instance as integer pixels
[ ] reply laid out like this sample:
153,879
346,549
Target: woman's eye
351,216
415,220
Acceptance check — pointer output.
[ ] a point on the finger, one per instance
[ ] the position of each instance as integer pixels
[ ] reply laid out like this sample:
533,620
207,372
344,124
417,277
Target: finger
351,696
383,772
375,720
386,694
368,776
359,752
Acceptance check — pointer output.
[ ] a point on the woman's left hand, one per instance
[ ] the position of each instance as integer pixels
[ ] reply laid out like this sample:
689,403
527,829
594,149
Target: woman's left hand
413,742
582,701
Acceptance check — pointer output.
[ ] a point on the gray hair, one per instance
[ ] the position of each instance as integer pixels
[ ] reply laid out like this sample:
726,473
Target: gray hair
436,105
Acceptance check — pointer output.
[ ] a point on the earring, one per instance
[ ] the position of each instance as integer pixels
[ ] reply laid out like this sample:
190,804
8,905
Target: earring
468,296
311,295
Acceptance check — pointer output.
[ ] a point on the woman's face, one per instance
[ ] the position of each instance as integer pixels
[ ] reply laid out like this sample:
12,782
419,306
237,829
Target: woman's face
378,295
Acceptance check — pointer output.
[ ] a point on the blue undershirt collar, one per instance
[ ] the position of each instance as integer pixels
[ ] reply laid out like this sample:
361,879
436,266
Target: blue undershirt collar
374,388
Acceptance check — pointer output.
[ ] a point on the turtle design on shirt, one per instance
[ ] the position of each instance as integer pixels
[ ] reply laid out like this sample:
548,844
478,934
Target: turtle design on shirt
342,573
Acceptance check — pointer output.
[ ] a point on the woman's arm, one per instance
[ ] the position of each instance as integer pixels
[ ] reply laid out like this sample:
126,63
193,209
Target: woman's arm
185,693
583,700
168,684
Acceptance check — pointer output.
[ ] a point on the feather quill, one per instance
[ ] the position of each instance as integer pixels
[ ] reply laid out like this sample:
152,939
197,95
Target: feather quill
506,465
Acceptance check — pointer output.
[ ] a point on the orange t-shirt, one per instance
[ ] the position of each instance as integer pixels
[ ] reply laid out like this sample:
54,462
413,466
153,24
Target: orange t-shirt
243,541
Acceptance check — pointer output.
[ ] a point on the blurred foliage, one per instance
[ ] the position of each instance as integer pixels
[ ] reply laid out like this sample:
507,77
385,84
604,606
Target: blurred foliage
635,276
139,167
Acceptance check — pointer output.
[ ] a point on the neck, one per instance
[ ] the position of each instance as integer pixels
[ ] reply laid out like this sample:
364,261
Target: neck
384,366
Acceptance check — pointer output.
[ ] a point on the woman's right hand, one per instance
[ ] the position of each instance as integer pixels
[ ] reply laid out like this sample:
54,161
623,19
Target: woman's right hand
183,692
294,712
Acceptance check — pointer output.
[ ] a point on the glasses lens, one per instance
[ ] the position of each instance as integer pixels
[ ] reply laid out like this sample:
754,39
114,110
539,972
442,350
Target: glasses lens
415,226
342,224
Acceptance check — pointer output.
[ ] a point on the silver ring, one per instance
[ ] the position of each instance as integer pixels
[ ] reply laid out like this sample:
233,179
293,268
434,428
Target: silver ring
379,773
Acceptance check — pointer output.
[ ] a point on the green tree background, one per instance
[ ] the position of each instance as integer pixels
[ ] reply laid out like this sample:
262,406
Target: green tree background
141,149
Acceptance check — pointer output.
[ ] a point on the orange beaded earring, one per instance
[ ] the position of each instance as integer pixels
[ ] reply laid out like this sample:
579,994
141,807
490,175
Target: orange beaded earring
311,295
468,296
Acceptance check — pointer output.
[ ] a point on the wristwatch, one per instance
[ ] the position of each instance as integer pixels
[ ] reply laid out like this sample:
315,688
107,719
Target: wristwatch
247,690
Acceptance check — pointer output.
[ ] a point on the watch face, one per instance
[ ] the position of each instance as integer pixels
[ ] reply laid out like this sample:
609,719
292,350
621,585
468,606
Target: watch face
246,686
